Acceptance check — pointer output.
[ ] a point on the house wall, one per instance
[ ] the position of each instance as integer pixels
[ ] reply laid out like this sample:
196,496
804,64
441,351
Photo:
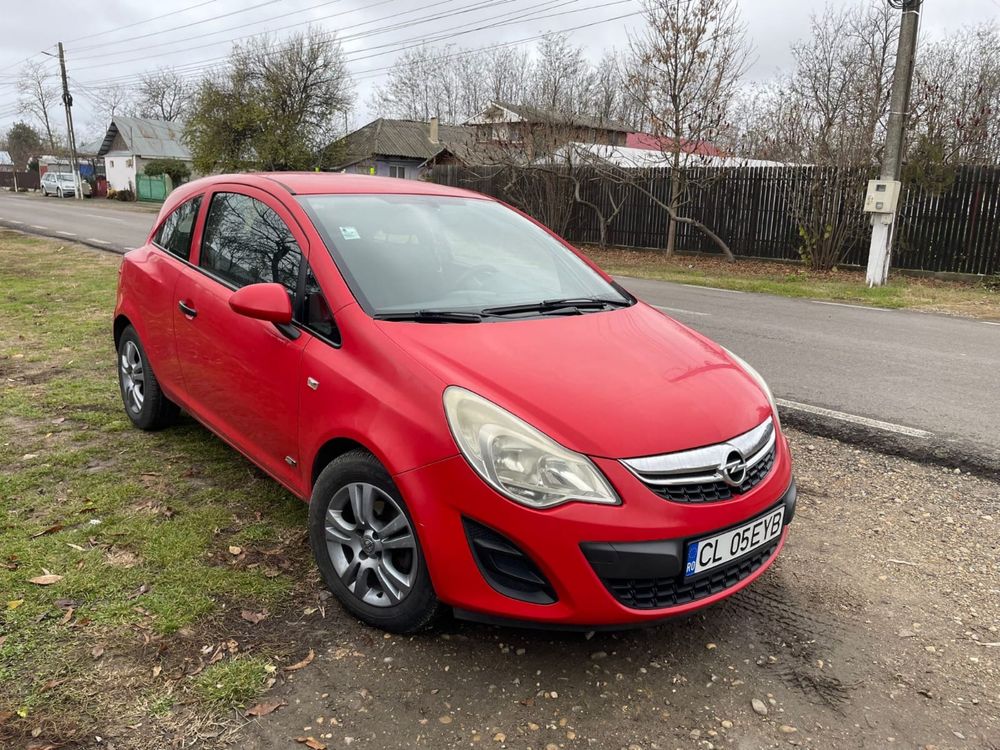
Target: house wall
120,170
383,167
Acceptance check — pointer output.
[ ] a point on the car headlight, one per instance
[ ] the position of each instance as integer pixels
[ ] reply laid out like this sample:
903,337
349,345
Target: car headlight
519,461
759,380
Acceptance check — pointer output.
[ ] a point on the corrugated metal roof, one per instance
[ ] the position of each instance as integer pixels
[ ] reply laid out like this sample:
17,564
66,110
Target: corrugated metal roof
148,138
408,139
495,112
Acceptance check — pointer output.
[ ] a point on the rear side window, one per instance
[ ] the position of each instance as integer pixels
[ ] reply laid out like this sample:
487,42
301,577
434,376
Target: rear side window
174,234
246,242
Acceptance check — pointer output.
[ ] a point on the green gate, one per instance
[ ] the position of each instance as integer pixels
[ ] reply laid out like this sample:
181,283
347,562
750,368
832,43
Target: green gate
151,188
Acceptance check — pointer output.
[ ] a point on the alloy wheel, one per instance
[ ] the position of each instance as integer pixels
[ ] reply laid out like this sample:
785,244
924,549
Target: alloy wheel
371,544
133,377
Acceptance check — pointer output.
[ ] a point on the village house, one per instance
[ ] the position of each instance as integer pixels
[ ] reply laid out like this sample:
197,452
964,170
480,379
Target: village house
132,142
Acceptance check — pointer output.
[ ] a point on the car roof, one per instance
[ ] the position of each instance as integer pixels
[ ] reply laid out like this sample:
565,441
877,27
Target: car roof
332,183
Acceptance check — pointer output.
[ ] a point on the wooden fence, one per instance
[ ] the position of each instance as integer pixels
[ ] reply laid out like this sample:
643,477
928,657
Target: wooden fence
957,230
25,180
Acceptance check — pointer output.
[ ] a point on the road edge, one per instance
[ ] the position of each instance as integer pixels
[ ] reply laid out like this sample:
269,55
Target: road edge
946,454
53,235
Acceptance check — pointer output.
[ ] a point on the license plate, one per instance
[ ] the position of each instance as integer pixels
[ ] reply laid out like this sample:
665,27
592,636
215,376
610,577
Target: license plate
713,551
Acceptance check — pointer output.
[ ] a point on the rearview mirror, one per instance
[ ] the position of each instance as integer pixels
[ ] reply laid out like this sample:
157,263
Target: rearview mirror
269,302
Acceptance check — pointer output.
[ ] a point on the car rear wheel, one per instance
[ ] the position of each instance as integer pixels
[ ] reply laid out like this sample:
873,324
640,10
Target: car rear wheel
366,546
144,402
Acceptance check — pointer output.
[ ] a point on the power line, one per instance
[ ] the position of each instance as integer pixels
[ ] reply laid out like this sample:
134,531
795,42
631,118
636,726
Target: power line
183,26
376,72
140,23
477,5
196,67
148,47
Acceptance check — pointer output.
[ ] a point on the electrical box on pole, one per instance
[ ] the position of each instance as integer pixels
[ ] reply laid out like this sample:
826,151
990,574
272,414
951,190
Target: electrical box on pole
881,199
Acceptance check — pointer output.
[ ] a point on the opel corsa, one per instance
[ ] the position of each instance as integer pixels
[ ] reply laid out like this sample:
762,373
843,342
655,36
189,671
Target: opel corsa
478,416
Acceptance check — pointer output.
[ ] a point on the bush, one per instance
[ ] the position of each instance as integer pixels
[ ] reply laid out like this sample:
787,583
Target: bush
123,195
177,170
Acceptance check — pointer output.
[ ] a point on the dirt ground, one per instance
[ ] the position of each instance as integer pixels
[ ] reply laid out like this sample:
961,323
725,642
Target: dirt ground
876,628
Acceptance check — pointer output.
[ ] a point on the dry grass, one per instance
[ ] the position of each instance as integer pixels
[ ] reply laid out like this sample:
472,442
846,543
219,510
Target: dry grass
969,299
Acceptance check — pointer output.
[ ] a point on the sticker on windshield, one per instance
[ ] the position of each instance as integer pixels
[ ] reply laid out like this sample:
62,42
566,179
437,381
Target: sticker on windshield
350,233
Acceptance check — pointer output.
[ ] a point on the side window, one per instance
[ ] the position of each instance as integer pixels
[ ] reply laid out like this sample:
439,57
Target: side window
315,313
174,234
245,242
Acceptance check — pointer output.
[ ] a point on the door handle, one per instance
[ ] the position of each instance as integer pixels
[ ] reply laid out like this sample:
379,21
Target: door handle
189,311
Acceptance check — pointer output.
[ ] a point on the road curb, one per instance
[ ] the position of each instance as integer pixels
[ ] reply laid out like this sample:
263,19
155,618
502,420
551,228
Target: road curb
936,451
53,235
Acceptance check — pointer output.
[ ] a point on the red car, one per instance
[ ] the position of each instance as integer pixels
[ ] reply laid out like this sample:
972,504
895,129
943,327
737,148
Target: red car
478,416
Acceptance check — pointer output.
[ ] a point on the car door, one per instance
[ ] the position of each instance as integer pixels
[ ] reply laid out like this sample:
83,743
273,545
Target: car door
154,288
240,373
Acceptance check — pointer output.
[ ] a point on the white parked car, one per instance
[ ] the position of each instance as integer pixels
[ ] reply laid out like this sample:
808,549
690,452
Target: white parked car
62,185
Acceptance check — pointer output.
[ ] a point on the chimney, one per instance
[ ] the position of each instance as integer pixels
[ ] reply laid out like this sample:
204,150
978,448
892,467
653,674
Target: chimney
433,136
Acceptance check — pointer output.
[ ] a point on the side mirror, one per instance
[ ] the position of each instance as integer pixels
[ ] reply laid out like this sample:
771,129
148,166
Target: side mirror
268,302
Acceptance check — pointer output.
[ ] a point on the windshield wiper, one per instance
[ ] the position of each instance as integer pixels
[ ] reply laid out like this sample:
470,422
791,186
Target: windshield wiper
557,305
431,316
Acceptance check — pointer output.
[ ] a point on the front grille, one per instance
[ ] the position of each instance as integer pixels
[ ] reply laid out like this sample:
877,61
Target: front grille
712,473
660,593
711,492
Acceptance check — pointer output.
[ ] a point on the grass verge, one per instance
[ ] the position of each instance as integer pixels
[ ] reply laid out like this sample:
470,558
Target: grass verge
968,299
127,559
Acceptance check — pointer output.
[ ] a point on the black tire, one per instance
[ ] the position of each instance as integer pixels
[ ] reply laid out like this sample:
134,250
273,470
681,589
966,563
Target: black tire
151,410
59,193
419,608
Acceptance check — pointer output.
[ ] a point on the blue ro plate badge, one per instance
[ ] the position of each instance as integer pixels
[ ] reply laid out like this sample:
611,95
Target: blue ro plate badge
717,550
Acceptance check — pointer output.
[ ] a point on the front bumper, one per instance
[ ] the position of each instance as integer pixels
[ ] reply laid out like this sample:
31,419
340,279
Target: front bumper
579,547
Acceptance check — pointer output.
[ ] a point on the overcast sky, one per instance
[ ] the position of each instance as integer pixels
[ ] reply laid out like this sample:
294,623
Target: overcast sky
192,31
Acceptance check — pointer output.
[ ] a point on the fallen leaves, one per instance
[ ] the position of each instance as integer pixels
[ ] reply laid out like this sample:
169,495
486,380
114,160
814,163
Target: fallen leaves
15,603
266,707
50,530
143,589
311,742
254,617
234,550
97,651
46,580
302,664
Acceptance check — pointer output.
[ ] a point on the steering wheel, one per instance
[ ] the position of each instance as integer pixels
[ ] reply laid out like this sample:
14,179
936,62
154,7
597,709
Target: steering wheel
472,273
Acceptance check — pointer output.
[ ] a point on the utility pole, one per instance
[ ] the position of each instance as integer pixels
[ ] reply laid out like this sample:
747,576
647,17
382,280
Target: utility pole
892,159
70,136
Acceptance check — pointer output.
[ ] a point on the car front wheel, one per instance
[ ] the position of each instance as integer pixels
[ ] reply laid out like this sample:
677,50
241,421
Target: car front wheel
366,546
144,402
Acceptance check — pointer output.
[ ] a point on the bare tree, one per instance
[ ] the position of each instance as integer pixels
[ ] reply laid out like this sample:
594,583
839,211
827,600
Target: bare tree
108,102
683,71
163,94
38,95
956,100
562,78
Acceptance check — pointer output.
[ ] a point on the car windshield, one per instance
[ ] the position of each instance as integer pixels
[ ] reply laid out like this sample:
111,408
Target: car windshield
433,255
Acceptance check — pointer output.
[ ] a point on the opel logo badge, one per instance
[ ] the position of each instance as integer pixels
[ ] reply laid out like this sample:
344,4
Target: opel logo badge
734,470
368,545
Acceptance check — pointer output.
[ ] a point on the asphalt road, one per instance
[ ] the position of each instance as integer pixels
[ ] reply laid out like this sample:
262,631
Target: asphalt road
934,379
925,385
95,222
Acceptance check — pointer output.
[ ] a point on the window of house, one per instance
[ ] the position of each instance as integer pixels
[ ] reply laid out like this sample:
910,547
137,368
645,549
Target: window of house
111,163
395,171
174,234
246,242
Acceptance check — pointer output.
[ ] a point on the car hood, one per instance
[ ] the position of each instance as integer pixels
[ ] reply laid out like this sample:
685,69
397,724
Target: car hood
616,384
